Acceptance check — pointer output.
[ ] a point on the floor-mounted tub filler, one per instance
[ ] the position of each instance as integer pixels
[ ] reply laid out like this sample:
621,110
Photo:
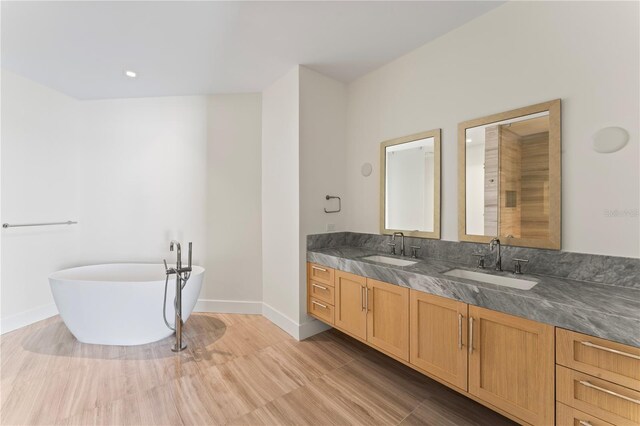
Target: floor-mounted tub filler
120,304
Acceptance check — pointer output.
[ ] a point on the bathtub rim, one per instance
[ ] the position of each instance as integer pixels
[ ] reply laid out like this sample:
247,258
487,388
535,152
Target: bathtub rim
57,275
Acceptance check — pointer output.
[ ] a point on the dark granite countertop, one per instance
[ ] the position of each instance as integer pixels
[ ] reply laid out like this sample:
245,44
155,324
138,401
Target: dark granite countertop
599,310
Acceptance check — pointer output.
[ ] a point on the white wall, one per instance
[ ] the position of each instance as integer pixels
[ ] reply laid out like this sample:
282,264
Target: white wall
281,201
234,215
135,173
143,165
518,54
323,106
40,141
303,131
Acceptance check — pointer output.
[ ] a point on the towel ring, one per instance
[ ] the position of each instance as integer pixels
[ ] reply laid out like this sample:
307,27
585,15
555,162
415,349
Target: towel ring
329,197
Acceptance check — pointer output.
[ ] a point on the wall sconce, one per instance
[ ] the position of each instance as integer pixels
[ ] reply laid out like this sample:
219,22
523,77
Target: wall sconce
366,169
610,139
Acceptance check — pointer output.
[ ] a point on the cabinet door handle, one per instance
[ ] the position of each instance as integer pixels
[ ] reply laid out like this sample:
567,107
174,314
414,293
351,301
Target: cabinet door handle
319,304
604,348
584,423
470,335
362,289
366,299
460,331
319,286
607,391
317,268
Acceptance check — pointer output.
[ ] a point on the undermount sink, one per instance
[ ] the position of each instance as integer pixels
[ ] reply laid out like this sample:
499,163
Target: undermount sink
492,279
389,260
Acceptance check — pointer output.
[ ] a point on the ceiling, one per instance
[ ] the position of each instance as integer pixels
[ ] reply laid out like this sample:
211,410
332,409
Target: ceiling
82,48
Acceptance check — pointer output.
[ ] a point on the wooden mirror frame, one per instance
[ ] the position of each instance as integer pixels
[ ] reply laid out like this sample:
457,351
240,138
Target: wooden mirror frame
554,240
435,134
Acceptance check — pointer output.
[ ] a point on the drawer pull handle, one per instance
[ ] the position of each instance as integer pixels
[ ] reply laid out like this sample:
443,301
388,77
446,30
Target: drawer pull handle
584,423
317,268
604,348
319,304
607,391
320,287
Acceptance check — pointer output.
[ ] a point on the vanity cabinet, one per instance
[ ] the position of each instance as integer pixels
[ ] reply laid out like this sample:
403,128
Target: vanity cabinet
388,317
568,416
438,330
321,292
372,311
597,379
531,372
511,364
350,312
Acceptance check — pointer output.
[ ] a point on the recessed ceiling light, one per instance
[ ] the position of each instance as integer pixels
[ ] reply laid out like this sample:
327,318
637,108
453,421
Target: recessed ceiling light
130,74
468,140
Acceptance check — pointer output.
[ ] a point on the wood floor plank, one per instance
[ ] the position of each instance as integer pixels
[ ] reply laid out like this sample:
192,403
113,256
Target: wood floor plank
238,369
452,409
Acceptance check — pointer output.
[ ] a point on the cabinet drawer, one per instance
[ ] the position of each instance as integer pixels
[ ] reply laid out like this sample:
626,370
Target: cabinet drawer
602,399
320,274
321,292
568,416
604,359
321,310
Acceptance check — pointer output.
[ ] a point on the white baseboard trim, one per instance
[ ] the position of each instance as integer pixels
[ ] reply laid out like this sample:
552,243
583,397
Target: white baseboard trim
228,306
281,320
22,319
298,331
311,328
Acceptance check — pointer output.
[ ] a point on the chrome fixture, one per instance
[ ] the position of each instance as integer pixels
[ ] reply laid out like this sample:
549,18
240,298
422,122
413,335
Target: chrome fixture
414,251
517,267
496,243
615,351
609,392
334,197
393,247
480,257
182,276
18,225
393,238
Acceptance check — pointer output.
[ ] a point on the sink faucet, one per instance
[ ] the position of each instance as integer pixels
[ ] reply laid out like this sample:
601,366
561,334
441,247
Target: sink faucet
179,268
402,243
496,243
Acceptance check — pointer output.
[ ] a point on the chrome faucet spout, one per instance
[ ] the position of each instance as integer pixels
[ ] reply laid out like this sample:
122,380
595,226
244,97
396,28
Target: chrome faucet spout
178,254
496,243
401,244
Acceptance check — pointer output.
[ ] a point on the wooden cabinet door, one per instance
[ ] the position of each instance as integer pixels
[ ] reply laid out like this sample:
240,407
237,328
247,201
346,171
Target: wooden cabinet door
388,317
439,337
511,364
350,314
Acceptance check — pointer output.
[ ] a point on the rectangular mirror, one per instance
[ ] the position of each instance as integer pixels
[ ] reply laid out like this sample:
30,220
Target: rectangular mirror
410,185
509,177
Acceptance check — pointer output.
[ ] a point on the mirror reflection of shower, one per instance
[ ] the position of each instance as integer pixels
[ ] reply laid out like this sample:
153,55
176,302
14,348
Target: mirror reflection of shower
182,276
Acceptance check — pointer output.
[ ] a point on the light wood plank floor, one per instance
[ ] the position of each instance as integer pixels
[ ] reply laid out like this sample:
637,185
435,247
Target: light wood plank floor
238,369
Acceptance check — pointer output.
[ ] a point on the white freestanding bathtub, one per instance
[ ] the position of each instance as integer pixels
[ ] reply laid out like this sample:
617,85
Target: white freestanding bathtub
120,304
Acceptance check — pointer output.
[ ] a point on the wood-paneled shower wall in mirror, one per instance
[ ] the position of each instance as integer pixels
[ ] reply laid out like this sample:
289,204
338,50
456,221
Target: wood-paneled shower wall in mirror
509,177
